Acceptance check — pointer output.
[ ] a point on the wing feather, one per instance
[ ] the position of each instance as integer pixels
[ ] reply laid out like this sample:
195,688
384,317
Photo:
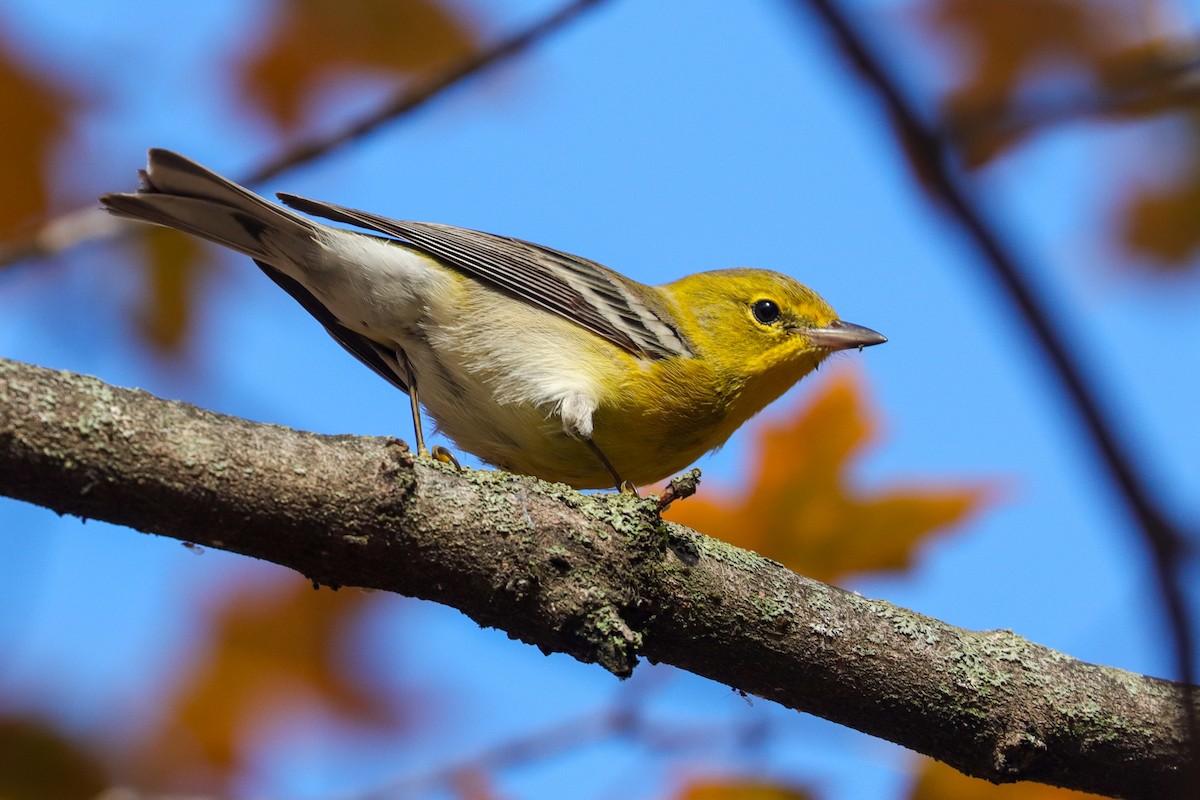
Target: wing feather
379,358
582,291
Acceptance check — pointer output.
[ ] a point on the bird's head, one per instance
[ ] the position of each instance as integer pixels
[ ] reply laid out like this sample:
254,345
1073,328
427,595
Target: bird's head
765,329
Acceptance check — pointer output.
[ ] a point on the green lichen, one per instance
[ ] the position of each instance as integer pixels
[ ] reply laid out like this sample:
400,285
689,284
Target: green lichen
624,513
1004,645
615,644
779,602
913,626
820,598
732,555
973,669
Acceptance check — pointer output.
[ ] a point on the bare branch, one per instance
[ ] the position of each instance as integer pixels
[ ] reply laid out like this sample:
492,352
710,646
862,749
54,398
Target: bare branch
625,718
412,97
599,577
61,234
1170,80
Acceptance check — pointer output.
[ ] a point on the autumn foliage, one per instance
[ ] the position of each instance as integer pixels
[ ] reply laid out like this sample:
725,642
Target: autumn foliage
802,508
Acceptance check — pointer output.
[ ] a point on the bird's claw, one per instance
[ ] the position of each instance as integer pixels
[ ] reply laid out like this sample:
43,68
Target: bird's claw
443,455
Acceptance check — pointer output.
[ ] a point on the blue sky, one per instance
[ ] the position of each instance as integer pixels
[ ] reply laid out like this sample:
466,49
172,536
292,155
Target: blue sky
659,139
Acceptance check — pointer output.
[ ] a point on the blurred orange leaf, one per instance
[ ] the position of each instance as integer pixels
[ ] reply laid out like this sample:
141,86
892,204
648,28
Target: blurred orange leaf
473,784
275,654
801,508
738,790
1001,48
36,113
313,40
38,763
1160,221
172,263
1020,65
939,781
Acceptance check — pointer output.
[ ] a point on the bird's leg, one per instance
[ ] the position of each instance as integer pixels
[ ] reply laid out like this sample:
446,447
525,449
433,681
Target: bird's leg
439,453
623,486
410,377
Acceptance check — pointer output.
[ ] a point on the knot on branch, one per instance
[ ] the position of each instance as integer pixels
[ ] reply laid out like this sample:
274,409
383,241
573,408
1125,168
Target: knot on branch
1016,754
615,645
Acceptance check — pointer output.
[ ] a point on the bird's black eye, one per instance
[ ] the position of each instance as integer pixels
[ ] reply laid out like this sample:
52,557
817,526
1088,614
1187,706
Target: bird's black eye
766,311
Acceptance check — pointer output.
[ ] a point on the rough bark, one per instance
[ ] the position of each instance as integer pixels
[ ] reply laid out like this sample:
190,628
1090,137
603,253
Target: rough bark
600,577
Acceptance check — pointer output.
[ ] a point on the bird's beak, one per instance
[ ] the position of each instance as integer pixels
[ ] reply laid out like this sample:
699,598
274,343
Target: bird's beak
839,335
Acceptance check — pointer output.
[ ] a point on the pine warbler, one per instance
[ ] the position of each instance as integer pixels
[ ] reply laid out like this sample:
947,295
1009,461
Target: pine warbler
536,361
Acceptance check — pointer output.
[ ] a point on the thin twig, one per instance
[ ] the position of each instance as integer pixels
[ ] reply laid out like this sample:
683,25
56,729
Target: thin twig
60,234
87,224
625,718
412,97
1165,541
1171,80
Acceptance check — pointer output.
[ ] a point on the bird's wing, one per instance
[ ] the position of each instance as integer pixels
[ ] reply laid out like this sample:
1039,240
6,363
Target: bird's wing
382,360
582,291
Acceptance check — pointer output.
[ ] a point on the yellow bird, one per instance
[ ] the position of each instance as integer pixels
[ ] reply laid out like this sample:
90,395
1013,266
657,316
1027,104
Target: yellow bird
535,360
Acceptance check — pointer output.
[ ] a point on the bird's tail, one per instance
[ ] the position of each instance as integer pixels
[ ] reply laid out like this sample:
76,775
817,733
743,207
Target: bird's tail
179,193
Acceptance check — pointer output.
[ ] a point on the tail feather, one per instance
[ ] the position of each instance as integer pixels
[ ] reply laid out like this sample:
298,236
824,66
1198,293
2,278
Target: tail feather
179,193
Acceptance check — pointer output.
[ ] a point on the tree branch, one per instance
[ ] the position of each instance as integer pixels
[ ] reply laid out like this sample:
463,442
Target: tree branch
599,577
409,98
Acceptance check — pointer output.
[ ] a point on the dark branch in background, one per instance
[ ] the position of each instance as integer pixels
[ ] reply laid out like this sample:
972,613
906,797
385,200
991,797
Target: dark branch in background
1171,80
88,224
936,161
601,578
626,718
410,98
